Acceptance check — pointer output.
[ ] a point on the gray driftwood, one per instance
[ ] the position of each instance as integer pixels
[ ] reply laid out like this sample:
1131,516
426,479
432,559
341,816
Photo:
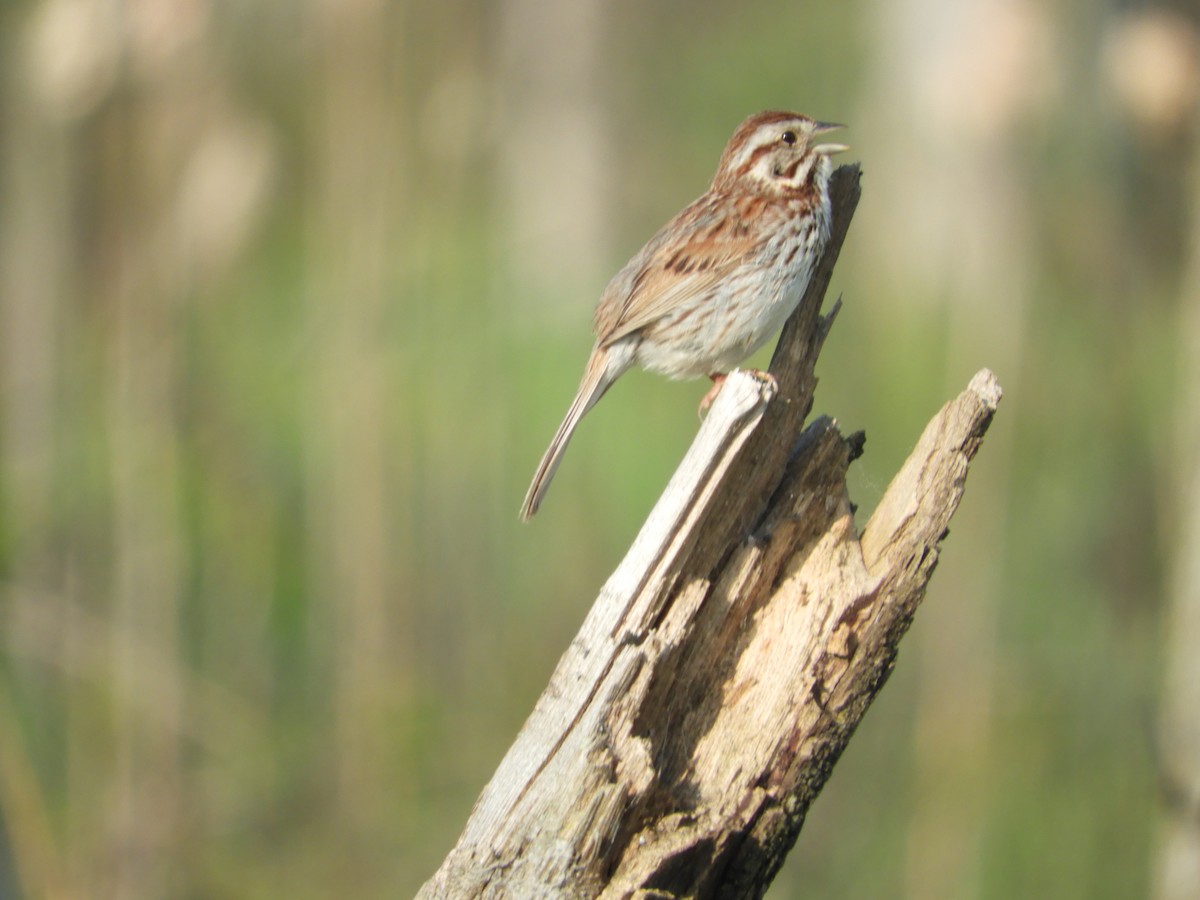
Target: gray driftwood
730,656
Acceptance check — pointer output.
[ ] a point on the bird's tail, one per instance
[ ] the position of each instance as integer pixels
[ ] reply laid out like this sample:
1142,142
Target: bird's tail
600,373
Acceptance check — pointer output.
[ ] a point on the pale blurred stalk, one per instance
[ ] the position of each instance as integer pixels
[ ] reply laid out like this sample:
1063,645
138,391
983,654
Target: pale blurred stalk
35,270
950,214
145,138
149,555
555,156
1178,860
358,157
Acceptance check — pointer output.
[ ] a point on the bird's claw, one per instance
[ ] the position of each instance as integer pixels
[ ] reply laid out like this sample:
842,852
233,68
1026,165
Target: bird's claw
718,381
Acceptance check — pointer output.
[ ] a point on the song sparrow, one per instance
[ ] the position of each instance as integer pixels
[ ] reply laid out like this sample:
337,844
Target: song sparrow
719,278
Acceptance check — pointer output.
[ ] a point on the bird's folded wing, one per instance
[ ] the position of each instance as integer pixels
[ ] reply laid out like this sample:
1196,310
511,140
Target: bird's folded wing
686,259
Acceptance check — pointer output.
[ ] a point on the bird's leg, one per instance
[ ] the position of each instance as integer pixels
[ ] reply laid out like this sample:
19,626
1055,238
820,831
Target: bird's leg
718,380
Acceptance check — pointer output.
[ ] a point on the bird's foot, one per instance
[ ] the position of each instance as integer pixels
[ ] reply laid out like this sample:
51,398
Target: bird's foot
718,380
769,381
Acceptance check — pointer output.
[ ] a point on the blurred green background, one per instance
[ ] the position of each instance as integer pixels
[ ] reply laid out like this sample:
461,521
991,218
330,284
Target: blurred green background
292,296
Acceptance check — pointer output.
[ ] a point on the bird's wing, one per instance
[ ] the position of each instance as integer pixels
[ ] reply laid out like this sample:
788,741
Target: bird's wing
689,256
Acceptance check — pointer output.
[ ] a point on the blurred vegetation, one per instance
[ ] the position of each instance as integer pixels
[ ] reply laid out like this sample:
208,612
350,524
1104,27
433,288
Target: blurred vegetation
293,295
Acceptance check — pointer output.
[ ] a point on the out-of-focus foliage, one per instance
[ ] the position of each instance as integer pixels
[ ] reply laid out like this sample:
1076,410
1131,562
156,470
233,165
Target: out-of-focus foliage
292,295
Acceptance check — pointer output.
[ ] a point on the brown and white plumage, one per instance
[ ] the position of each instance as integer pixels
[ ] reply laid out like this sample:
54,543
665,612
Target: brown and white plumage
718,279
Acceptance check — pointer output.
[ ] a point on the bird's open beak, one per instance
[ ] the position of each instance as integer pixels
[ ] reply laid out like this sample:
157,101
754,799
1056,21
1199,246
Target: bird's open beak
828,149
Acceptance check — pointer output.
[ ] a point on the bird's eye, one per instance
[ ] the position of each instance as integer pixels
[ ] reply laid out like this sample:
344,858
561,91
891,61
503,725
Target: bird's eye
788,137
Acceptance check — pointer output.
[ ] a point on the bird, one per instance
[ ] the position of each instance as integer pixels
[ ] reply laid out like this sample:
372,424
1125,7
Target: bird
722,276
